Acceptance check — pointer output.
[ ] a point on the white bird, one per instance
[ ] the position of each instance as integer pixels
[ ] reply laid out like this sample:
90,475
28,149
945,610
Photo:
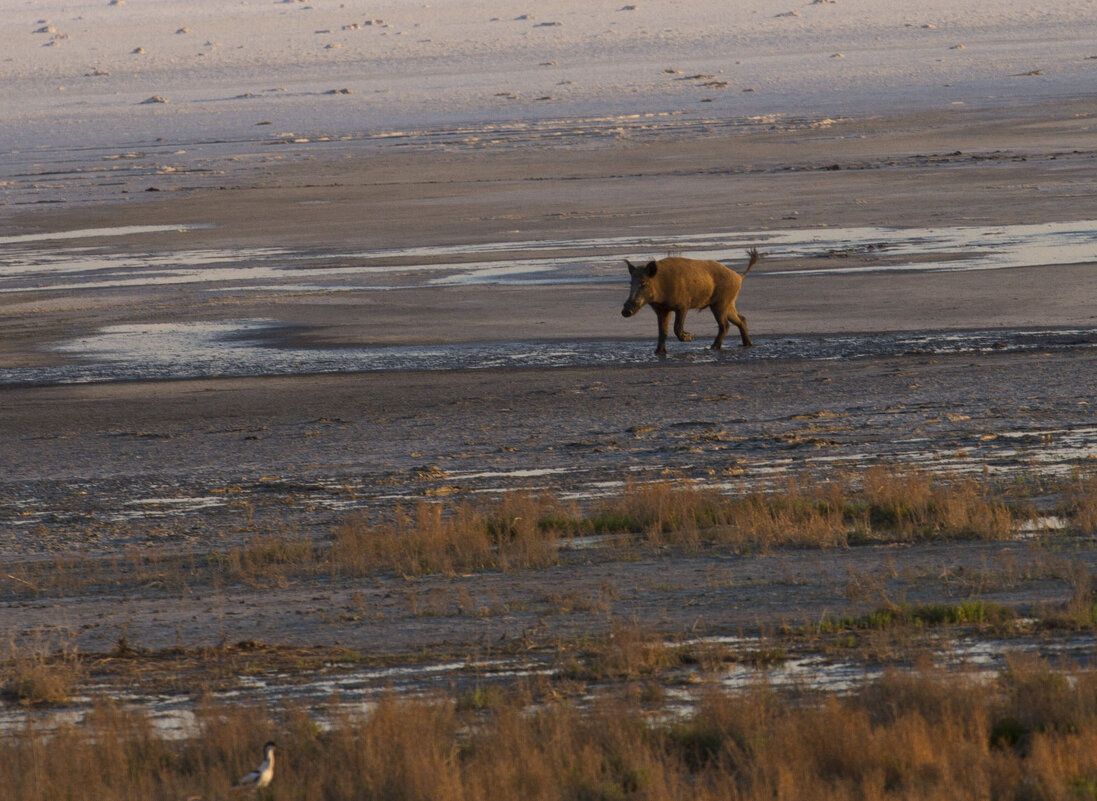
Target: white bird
262,775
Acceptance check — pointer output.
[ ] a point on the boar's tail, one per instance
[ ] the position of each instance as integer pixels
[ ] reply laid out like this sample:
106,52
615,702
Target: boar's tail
753,253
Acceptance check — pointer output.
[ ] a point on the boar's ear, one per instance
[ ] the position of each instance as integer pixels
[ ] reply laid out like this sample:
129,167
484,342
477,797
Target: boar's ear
652,268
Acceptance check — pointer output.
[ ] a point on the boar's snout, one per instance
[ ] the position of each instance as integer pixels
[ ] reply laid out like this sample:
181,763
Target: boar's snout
632,305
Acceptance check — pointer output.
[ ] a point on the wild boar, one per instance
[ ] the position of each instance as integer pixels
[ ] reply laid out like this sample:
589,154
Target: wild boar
677,285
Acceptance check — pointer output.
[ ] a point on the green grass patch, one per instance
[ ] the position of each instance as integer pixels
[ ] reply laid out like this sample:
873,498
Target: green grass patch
968,613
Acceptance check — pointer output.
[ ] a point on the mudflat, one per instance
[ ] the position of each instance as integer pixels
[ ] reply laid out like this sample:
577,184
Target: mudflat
852,363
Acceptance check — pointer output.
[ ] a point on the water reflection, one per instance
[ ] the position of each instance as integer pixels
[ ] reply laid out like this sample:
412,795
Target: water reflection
27,266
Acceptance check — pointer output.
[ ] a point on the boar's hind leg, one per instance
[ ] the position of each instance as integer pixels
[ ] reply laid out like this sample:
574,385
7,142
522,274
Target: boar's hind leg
680,326
724,325
740,323
724,321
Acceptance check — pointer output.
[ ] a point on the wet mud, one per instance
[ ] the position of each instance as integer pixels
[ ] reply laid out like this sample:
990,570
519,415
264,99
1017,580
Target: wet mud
190,462
178,374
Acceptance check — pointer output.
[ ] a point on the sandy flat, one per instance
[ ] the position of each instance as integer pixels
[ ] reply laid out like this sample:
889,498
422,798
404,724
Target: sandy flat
940,170
896,174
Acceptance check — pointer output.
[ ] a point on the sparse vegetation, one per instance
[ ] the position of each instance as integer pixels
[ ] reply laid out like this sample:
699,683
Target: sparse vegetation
40,676
519,531
1080,611
1030,733
1081,505
522,530
618,711
967,613
627,652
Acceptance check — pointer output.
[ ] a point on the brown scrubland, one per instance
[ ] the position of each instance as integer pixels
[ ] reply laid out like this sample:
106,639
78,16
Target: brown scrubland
608,720
1029,733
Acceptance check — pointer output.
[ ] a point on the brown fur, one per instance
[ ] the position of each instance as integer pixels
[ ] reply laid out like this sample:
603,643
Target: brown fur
677,285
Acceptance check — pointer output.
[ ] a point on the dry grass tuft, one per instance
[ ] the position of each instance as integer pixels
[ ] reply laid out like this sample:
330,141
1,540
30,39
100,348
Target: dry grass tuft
660,511
797,514
518,531
628,652
914,505
1081,505
41,677
882,504
269,559
1080,610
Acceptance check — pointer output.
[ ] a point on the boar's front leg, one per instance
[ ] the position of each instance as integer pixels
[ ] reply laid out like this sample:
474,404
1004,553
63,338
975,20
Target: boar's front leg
680,326
663,316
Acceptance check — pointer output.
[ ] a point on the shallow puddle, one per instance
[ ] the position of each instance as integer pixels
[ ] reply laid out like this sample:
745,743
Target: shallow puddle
89,261
241,348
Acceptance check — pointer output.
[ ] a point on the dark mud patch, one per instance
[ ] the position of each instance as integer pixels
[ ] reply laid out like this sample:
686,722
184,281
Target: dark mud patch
253,348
